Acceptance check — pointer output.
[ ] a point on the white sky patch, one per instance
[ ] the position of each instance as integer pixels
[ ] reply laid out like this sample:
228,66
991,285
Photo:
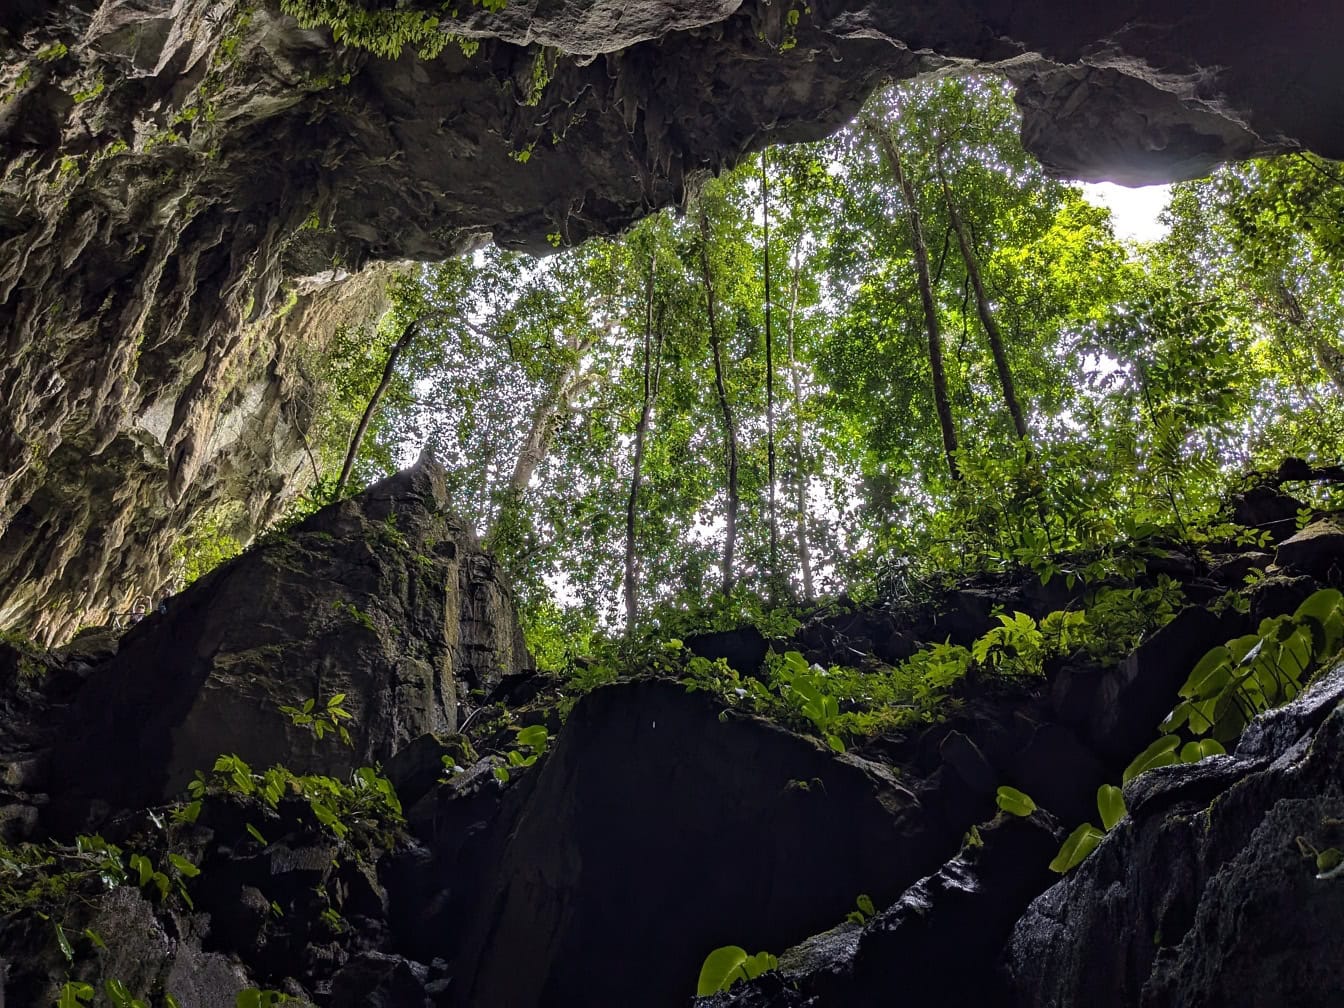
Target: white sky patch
1135,210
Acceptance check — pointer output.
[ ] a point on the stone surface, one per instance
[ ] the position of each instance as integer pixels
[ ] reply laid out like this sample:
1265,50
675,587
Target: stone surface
935,947
1317,550
1202,896
384,598
653,833
174,171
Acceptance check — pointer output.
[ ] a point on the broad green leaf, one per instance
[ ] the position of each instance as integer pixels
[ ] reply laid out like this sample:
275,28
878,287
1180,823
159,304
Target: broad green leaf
1015,802
1193,752
1161,753
1320,605
720,969
534,737
1080,843
64,944
184,867
1111,805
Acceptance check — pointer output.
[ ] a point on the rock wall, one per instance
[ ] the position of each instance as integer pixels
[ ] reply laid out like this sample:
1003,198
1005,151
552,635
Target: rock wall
384,599
171,166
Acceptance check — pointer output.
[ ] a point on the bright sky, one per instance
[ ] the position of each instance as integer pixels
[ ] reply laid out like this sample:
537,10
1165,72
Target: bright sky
1135,210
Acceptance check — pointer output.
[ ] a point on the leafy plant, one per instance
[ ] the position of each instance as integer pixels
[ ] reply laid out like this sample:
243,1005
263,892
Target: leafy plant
532,741
1015,802
727,965
324,720
863,910
1237,680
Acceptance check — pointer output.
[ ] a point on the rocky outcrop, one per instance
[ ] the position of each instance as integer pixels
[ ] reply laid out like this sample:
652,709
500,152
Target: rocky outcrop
384,599
172,169
1211,891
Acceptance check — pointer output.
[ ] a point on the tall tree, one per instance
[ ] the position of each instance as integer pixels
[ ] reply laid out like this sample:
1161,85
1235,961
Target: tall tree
730,439
882,136
653,371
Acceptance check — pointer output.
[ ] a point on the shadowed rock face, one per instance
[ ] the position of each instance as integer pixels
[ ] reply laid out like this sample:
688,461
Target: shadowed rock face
384,598
1202,896
171,168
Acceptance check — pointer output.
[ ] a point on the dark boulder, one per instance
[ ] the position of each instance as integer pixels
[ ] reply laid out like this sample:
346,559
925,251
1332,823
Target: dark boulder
655,832
384,598
1209,893
1317,550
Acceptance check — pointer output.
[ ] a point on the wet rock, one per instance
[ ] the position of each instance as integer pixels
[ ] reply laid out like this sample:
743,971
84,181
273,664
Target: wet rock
378,980
1317,550
655,825
1202,896
743,649
374,598
1231,571
937,946
1268,509
1127,703
1279,594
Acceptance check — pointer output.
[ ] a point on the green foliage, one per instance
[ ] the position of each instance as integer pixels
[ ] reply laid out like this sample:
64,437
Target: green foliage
863,910
254,997
383,32
532,742
368,802
1080,843
1014,802
727,965
1236,681
321,721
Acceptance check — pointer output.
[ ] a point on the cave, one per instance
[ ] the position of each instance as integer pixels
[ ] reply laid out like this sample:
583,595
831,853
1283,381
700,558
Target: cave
198,195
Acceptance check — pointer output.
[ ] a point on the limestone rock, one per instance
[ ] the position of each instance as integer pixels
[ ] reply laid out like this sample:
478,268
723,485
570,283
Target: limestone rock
655,832
1202,896
384,598
1315,550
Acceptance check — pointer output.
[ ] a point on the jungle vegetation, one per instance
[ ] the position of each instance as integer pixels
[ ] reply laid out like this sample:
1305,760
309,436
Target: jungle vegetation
848,363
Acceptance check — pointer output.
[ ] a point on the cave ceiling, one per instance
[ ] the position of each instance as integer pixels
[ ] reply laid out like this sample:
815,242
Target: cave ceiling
172,168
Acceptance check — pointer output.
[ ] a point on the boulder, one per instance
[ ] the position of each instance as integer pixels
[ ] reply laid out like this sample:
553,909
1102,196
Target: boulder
1316,550
655,832
1209,892
385,599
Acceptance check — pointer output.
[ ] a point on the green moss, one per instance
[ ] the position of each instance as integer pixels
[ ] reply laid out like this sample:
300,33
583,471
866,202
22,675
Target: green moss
91,93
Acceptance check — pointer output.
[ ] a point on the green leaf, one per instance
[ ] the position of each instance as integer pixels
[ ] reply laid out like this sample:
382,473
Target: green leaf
720,969
501,774
865,904
256,834
64,944
1320,605
184,867
1015,802
1111,805
836,743
1210,675
534,737
95,938
1161,753
1080,843
1193,752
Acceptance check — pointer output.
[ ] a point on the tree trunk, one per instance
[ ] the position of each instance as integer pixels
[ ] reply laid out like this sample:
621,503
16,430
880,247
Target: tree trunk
389,369
880,132
800,475
769,387
987,319
729,422
653,368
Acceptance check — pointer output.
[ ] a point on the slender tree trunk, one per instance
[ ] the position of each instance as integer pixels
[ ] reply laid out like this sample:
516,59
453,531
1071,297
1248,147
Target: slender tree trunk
800,474
770,387
653,368
389,369
729,421
880,132
987,319
1328,358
